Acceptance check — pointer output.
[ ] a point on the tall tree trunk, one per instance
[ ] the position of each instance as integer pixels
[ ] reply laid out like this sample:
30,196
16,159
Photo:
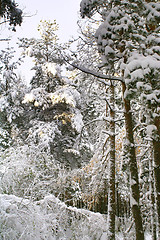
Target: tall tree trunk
111,204
153,208
156,150
135,191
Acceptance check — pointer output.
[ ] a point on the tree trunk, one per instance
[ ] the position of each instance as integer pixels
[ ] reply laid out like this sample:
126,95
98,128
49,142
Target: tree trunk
156,150
111,204
135,192
153,208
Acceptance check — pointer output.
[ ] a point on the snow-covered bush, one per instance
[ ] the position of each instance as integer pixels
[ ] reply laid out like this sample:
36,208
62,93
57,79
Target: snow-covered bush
25,171
47,219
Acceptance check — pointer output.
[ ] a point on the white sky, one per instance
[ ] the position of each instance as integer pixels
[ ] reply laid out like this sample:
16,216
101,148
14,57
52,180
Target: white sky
64,11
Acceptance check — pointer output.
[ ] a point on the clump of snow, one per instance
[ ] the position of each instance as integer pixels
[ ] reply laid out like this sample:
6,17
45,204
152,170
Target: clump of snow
3,103
151,129
140,65
108,50
104,236
148,236
77,121
67,94
37,96
133,182
29,97
62,97
133,201
52,68
74,151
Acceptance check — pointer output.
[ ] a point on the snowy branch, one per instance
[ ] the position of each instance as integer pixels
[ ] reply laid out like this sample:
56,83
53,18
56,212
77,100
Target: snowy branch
4,22
95,73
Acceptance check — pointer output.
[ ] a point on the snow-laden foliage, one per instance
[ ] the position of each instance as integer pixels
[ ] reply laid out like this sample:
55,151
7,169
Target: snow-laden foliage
12,87
34,177
12,91
45,53
21,168
55,116
54,101
47,219
87,7
29,209
131,48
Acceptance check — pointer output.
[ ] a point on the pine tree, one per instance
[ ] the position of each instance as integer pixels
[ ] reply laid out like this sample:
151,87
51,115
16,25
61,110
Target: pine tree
45,52
12,92
129,38
118,37
54,100
142,71
10,12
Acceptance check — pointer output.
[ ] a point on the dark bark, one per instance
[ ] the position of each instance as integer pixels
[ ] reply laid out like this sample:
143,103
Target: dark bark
135,191
156,150
153,216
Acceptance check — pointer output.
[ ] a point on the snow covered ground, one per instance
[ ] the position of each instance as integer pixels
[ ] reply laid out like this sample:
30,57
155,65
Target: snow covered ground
49,219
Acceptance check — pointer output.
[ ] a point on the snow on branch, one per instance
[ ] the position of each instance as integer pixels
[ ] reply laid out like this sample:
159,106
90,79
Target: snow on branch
95,73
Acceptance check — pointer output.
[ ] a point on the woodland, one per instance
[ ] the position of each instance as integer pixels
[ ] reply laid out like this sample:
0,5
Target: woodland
80,143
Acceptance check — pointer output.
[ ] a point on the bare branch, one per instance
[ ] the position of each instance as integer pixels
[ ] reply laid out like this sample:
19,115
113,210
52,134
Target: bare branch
108,104
32,15
5,39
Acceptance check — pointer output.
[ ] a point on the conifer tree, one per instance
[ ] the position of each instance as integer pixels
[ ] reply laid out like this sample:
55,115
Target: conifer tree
12,91
119,37
54,100
9,12
129,38
45,52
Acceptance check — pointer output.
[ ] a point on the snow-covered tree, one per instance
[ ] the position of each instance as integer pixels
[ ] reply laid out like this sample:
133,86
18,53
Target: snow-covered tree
143,78
54,101
107,112
45,52
10,12
55,122
93,103
120,39
12,92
